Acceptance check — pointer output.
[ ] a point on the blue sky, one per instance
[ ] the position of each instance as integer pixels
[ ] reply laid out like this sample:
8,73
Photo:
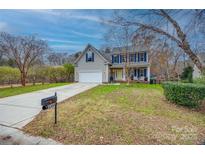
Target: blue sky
65,30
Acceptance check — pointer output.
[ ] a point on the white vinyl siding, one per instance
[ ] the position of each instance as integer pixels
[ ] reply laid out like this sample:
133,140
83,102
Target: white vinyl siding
98,65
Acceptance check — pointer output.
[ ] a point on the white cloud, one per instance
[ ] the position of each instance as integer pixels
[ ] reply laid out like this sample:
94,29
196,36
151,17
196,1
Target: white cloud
91,18
86,17
67,47
48,12
97,36
72,14
60,41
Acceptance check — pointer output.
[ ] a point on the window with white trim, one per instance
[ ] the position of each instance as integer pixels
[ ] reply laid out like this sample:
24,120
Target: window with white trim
141,72
115,58
123,58
132,57
141,55
89,56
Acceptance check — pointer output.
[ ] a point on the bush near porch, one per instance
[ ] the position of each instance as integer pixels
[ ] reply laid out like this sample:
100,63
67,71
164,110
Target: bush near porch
185,94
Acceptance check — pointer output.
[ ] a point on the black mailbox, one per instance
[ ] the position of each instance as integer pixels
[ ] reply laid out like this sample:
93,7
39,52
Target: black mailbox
48,102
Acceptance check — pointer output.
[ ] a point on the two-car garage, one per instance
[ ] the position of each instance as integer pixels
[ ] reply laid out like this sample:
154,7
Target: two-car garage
94,77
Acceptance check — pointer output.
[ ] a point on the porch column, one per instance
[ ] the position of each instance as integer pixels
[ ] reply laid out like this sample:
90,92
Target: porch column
124,74
107,73
148,73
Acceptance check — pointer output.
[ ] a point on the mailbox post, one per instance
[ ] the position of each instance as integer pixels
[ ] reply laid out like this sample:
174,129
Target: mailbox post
50,102
56,109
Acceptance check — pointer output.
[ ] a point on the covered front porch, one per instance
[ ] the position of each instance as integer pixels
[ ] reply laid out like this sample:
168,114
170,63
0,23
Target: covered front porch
135,74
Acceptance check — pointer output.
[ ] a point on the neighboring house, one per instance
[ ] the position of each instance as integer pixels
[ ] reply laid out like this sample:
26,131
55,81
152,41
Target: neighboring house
95,66
197,72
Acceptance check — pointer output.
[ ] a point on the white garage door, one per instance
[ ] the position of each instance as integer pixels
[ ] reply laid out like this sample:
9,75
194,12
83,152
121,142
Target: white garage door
90,77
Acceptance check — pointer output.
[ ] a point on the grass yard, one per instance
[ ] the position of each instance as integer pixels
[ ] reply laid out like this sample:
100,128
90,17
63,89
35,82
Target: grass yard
5,92
120,114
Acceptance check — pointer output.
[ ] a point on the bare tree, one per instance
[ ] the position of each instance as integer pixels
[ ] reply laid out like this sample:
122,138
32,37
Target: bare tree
163,55
58,58
157,23
25,50
119,37
148,41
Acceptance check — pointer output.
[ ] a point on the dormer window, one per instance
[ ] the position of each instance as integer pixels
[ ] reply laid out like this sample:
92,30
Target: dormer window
89,56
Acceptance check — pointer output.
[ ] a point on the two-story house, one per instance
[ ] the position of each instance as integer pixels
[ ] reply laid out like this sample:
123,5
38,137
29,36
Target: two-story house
95,66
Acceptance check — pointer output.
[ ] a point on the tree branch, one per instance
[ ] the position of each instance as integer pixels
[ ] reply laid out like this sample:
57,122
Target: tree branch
155,29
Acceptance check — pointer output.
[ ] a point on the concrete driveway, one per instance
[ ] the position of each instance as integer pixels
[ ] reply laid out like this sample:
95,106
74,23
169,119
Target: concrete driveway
17,111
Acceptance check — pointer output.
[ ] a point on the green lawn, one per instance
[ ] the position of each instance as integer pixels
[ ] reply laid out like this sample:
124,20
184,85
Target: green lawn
120,114
5,92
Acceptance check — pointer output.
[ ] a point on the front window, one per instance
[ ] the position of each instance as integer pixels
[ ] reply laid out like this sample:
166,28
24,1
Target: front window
141,72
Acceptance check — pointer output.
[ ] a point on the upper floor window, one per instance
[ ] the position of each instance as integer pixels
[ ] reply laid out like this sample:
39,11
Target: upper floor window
132,58
115,58
142,57
89,56
123,58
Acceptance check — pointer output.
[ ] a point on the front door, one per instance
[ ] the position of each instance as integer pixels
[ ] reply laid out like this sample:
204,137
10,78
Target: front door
117,74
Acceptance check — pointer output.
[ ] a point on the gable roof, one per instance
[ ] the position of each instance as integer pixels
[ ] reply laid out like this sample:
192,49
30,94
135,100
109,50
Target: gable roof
107,57
89,46
130,48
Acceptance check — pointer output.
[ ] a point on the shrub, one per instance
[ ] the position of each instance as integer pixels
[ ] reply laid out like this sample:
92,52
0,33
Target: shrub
38,74
69,71
51,73
200,80
187,74
56,74
186,94
9,75
43,74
